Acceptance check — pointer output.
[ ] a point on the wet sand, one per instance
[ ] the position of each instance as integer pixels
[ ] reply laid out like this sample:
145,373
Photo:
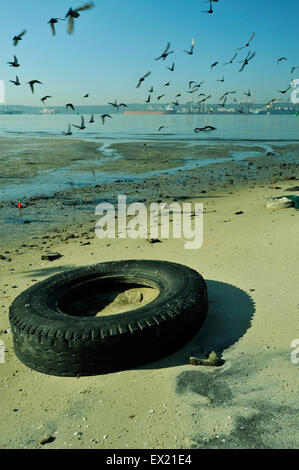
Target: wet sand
249,263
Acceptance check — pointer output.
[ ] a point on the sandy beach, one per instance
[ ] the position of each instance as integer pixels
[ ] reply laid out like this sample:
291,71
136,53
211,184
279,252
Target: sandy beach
249,261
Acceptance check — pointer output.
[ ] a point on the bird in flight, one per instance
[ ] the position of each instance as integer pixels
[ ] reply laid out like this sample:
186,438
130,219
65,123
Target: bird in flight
117,106
248,93
178,95
281,58
16,81
45,98
103,116
293,69
72,14
70,105
175,103
167,84
246,60
91,119
165,53
205,99
206,128
191,49
82,124
214,65
171,68
161,127
52,23
18,38
148,99
222,80
224,102
32,83
232,59
151,90
159,97
285,91
240,111
247,44
142,79
15,62
274,100
226,94
69,130
211,7
86,96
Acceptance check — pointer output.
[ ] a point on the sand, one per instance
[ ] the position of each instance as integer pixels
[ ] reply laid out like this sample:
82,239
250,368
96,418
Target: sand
250,263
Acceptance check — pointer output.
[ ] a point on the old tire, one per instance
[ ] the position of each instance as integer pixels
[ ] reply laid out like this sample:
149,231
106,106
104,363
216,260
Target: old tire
58,343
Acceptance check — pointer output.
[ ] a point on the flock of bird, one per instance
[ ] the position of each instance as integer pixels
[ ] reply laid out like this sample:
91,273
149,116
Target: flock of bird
193,87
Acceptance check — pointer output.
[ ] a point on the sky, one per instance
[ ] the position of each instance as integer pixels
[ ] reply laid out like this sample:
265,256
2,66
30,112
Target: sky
116,42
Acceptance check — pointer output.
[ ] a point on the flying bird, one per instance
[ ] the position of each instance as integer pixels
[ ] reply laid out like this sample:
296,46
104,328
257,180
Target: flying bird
142,79
32,83
211,7
248,93
192,48
15,62
232,59
82,124
70,105
222,80
117,106
72,14
293,69
171,68
281,58
18,38
175,103
16,82
227,93
167,84
91,119
148,99
214,65
52,23
159,97
161,127
151,90
274,100
285,91
86,96
206,128
45,98
246,60
247,44
165,53
103,116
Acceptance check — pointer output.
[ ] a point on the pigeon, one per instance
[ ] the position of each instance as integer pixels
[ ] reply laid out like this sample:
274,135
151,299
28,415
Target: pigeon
45,98
206,128
52,22
82,124
15,62
18,38
142,79
16,82
247,44
165,53
246,60
32,83
70,105
192,48
281,58
115,105
232,59
103,116
171,68
72,14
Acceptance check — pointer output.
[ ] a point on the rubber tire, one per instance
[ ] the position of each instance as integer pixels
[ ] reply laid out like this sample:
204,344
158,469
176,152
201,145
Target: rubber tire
52,342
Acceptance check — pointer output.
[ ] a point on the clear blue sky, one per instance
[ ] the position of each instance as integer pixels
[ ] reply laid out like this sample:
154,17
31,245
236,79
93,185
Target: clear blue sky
116,42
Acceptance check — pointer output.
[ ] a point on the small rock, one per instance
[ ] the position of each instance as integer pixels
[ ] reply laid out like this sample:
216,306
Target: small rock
154,240
279,203
46,439
51,256
239,213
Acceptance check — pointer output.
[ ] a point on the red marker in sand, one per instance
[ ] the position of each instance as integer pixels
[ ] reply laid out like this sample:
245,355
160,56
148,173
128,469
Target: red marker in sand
20,205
